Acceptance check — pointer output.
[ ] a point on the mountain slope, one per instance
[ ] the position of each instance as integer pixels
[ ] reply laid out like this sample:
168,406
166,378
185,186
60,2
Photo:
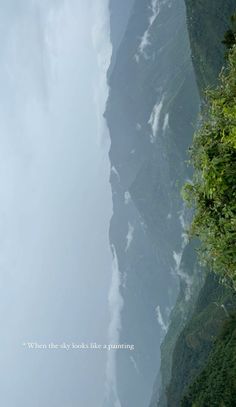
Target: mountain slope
208,20
207,23
216,385
150,120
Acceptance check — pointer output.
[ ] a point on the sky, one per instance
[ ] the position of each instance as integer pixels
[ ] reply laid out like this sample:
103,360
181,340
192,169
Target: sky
55,201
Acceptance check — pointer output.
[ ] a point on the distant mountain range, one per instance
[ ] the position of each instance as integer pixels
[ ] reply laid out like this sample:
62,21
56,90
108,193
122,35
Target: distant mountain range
151,110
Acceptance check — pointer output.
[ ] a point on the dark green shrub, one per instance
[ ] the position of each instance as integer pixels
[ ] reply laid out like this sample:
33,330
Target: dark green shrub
213,190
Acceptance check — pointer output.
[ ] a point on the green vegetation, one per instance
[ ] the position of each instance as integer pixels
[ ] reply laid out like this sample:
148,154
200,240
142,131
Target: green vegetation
230,35
197,340
198,365
208,20
216,385
213,191
181,313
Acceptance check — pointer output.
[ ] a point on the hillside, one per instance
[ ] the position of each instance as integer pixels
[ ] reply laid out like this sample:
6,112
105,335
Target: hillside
216,385
197,340
208,20
186,347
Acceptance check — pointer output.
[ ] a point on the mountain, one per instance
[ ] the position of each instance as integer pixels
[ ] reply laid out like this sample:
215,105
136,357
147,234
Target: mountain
119,16
190,348
208,21
151,113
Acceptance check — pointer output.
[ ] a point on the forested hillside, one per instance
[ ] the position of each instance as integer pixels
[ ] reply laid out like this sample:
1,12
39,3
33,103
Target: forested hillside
198,345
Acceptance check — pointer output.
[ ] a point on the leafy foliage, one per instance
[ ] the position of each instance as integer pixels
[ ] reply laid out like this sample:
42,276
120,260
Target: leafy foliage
213,190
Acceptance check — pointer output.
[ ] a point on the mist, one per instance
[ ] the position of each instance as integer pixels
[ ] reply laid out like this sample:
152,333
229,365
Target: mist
55,202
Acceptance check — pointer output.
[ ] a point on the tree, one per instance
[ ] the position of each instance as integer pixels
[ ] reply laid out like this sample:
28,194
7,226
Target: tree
230,36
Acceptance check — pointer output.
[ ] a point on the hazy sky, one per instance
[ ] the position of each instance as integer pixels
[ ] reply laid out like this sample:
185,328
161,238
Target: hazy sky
55,201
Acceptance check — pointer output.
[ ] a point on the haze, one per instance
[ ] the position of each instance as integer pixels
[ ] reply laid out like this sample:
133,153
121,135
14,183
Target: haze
55,201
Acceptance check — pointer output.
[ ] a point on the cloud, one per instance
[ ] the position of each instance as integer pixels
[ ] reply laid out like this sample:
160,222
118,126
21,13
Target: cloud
155,119
145,40
101,42
127,197
100,36
184,276
166,122
114,170
129,237
134,363
155,8
116,305
160,319
49,165
188,280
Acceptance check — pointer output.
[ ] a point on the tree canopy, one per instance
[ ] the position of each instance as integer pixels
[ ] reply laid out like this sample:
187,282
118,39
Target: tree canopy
213,190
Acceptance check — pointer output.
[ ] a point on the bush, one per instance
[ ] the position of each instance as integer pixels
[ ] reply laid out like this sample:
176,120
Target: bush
213,190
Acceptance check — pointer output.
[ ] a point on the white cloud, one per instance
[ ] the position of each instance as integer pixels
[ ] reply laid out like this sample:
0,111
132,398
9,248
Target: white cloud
103,48
144,43
155,8
127,197
154,120
114,170
116,303
178,256
134,363
136,57
184,223
166,122
129,237
184,276
124,279
160,319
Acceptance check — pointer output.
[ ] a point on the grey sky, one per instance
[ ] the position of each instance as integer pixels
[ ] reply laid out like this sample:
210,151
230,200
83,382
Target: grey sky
55,201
